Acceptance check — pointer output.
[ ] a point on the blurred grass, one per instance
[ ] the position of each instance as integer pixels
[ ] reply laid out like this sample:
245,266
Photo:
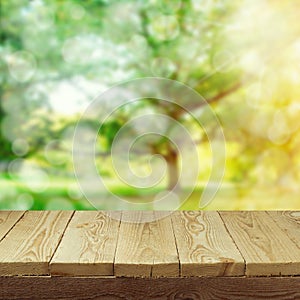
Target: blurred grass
63,194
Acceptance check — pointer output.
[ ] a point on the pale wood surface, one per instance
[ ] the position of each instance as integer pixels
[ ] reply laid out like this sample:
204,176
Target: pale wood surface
88,246
266,248
146,248
166,257
289,222
29,246
150,244
134,254
204,246
7,220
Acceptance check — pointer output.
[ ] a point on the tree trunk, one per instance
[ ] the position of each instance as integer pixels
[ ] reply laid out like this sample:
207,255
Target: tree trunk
172,160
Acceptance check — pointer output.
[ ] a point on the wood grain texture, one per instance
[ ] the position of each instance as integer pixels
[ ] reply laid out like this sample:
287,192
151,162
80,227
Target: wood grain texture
191,243
204,246
29,246
166,261
204,288
289,222
7,220
266,248
88,245
145,247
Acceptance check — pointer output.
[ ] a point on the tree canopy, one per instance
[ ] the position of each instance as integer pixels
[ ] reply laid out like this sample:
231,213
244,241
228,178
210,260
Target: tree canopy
242,57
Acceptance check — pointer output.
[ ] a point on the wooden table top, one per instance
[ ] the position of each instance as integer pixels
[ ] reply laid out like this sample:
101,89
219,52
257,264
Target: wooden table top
149,244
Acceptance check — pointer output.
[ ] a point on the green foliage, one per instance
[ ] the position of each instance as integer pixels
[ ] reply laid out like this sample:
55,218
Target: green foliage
109,130
56,55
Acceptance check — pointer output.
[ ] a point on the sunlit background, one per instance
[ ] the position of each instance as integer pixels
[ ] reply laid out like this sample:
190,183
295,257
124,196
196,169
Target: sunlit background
242,56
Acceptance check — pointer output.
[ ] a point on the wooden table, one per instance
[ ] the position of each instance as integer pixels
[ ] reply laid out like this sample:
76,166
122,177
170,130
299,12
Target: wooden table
147,255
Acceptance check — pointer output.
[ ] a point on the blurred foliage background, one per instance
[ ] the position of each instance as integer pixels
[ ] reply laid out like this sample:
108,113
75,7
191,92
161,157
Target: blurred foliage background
242,56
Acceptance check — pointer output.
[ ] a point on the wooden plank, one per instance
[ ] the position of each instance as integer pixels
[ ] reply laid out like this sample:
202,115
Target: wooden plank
29,246
204,246
88,245
7,220
289,222
204,288
266,248
134,255
146,247
166,261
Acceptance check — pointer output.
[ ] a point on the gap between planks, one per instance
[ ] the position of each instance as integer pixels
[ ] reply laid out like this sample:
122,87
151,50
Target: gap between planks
59,242
204,246
190,243
267,249
31,242
88,245
8,219
147,244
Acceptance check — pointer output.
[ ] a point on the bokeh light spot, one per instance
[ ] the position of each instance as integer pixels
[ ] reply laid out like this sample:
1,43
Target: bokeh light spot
22,65
39,14
78,50
33,177
14,166
54,152
24,201
20,147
